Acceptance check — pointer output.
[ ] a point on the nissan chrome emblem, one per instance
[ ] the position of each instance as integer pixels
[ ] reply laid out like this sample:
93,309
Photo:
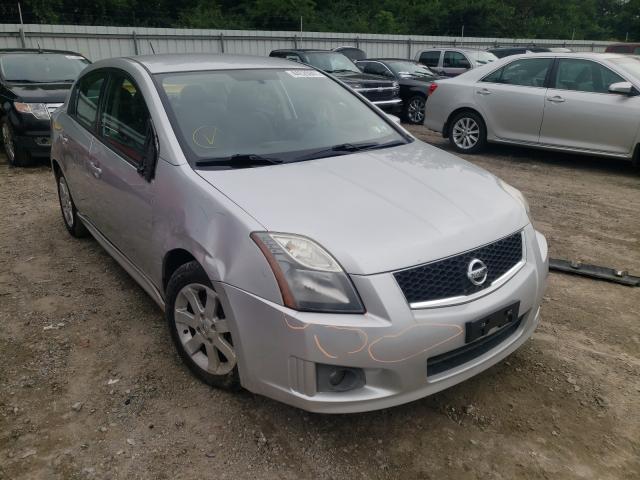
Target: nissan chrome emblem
477,272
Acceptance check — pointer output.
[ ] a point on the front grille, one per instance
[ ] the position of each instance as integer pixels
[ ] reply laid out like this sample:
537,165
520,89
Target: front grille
447,278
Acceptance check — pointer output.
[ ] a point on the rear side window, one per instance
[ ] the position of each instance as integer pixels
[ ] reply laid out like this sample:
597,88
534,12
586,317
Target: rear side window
455,60
585,76
529,72
88,98
125,119
430,58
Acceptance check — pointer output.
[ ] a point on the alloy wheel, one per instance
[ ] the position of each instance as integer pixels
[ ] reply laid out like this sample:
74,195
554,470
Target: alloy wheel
65,201
203,329
7,139
415,112
466,133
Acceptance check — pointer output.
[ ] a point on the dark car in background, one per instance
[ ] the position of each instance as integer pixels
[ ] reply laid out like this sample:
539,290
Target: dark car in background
33,83
381,91
413,77
354,54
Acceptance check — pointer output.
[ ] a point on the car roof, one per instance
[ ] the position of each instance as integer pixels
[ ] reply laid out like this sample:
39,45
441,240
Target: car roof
389,60
303,50
37,50
587,55
181,62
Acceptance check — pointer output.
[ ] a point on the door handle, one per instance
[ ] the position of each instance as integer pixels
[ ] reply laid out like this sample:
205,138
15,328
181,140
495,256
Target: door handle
95,169
556,99
483,91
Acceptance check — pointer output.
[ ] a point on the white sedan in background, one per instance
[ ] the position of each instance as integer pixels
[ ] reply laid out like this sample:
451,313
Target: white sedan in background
585,103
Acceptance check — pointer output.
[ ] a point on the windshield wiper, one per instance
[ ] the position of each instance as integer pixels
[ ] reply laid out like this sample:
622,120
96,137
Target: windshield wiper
340,70
239,160
345,148
66,80
20,80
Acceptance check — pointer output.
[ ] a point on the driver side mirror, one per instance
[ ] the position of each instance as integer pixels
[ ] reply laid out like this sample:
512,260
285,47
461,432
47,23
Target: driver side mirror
623,88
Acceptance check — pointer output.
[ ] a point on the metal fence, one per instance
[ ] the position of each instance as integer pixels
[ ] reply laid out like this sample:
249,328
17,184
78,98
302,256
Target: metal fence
103,42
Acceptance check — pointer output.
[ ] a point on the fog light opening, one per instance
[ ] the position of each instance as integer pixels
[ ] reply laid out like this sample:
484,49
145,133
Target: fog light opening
335,378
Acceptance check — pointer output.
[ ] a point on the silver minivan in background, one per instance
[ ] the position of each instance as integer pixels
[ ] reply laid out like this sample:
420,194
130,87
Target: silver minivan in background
576,102
302,245
451,62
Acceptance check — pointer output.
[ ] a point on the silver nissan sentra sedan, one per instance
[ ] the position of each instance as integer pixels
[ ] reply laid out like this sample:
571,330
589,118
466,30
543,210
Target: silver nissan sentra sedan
302,244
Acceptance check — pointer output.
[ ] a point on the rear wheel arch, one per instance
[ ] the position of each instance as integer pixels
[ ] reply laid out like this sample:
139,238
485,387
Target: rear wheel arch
452,115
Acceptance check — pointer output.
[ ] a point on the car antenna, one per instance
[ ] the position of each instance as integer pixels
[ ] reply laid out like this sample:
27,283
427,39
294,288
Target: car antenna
152,49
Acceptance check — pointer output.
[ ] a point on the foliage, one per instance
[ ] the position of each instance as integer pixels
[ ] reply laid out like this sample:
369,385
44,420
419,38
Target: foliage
579,19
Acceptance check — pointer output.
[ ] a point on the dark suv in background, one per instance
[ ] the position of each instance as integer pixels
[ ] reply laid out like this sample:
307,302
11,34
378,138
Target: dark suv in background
33,83
381,91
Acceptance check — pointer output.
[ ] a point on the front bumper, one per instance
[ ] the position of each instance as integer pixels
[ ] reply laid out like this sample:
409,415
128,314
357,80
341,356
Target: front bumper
31,134
280,349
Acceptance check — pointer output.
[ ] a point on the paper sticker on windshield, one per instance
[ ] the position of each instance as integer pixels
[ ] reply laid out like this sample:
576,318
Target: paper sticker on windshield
304,74
74,57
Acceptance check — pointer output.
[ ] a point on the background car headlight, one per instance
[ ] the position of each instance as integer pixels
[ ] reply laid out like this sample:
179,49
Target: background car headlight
38,110
309,278
517,194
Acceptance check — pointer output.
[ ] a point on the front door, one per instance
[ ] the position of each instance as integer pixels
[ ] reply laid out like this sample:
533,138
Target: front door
122,196
580,113
512,99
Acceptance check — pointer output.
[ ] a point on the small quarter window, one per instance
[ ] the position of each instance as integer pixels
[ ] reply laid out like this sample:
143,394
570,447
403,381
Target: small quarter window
125,119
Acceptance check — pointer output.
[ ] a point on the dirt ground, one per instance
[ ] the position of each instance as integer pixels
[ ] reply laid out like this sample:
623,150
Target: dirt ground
90,386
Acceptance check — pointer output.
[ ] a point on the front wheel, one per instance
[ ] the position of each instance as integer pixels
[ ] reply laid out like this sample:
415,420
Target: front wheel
200,329
468,133
414,110
16,155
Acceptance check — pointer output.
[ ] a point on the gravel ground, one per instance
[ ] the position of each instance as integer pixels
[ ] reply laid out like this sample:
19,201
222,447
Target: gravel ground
90,386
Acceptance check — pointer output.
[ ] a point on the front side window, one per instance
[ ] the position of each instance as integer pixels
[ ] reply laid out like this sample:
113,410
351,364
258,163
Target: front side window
290,115
87,98
376,68
125,119
526,72
584,76
41,67
430,58
455,60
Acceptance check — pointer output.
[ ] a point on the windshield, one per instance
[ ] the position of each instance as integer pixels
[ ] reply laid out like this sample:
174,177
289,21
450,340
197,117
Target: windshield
41,67
410,69
331,62
286,115
481,57
629,64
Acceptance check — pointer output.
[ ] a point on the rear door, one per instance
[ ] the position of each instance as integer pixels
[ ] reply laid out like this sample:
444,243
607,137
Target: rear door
454,63
78,130
580,113
512,99
122,198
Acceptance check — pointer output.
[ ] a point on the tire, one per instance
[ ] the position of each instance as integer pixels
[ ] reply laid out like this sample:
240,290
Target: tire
199,329
16,156
68,209
413,110
468,133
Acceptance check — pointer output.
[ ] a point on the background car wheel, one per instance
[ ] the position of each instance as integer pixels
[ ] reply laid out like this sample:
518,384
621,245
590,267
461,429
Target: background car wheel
199,327
69,213
468,133
414,110
16,156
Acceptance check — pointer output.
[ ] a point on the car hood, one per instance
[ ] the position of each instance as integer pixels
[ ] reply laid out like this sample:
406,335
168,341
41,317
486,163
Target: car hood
41,92
381,210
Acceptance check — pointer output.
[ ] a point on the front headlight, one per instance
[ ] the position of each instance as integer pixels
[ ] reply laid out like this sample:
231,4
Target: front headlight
517,194
38,110
309,278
